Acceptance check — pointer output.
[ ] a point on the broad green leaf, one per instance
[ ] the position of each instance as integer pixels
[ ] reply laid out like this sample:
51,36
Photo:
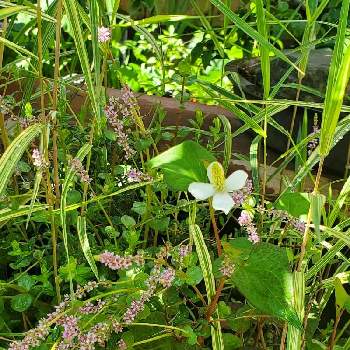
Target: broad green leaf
14,152
183,164
295,203
265,280
342,298
194,275
21,302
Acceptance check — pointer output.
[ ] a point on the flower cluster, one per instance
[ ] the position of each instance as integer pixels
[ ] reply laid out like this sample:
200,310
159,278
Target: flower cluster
311,146
90,308
246,220
104,34
35,336
240,196
283,216
184,250
117,111
135,175
122,345
227,267
165,278
77,166
70,327
38,159
97,334
117,262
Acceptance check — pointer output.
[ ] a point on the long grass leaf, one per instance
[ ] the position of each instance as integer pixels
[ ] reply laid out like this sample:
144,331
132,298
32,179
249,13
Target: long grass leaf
68,181
254,164
340,201
74,19
228,141
207,270
337,80
85,245
14,152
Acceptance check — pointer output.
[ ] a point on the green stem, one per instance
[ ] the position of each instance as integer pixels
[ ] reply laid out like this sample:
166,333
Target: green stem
215,228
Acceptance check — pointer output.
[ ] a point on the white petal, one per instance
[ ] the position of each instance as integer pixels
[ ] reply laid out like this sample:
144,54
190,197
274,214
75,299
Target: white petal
201,190
223,201
236,181
209,170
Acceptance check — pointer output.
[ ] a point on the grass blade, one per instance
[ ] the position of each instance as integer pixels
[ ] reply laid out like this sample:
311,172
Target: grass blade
228,141
254,163
85,245
68,181
74,19
14,152
336,85
207,270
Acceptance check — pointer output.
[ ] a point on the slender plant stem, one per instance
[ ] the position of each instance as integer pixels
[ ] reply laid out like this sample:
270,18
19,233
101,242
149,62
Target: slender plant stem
284,336
43,117
215,228
214,302
332,339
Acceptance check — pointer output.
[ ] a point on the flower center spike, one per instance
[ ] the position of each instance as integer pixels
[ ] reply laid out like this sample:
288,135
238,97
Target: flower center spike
218,176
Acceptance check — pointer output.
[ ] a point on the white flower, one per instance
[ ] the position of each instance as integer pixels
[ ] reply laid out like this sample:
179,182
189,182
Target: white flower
219,188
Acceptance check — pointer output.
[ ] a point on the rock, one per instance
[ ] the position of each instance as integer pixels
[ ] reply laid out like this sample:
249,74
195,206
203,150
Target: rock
249,71
251,83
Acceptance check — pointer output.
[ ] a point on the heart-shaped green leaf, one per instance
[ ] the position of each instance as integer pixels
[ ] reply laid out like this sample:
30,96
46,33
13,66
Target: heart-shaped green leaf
183,164
265,280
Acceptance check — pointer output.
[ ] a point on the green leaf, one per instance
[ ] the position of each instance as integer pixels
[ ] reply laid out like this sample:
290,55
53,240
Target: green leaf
231,341
342,298
21,302
26,281
338,78
317,202
295,203
265,280
183,164
194,275
128,221
160,224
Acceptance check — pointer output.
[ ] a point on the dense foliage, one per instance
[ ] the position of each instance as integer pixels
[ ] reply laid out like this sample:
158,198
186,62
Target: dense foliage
124,226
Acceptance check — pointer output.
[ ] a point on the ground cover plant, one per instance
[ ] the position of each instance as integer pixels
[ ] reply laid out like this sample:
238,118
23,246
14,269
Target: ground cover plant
123,229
